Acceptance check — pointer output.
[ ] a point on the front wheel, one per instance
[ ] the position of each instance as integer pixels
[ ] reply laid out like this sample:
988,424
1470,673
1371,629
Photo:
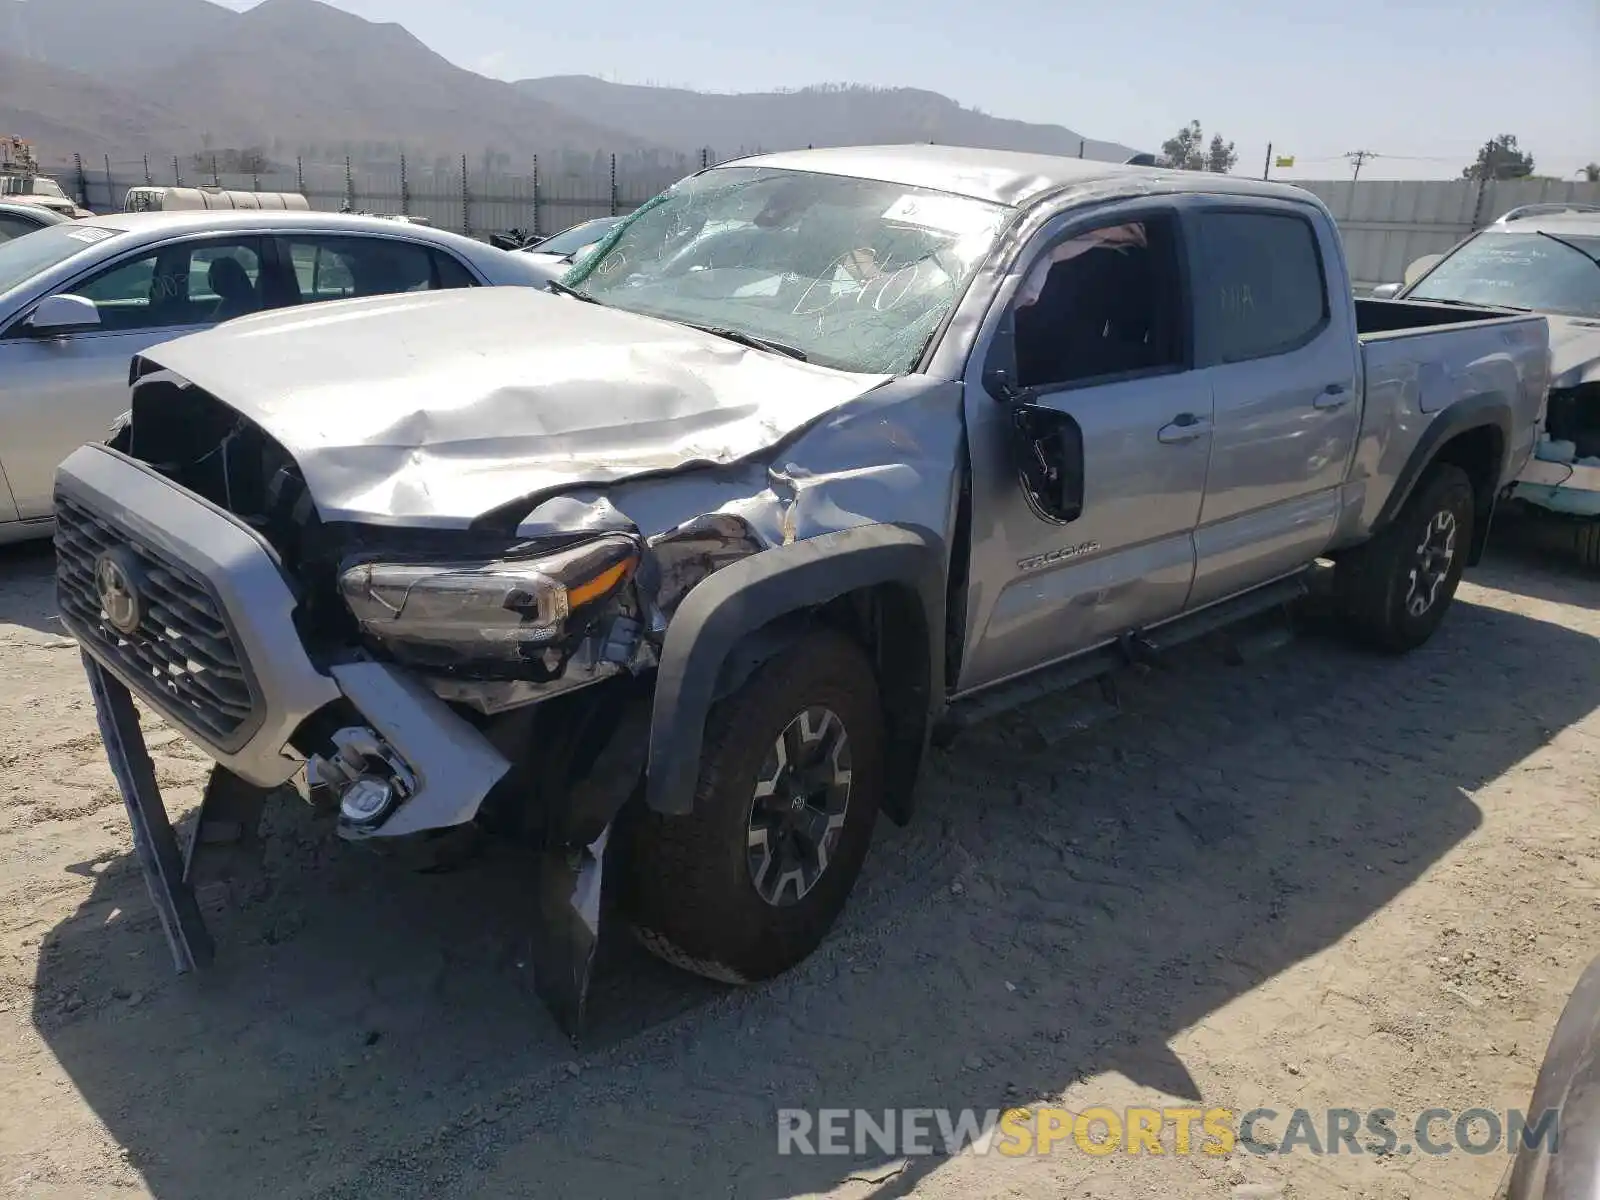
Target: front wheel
1395,589
749,883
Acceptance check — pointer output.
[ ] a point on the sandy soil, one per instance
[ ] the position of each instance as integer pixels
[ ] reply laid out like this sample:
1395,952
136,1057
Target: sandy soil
1318,878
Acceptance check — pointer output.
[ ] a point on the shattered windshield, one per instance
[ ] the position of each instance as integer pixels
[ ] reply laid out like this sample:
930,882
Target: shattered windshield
851,273
1540,273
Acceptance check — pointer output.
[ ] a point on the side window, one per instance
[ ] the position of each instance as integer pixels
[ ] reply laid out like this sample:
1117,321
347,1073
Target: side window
449,272
320,272
224,281
1262,289
123,294
336,268
193,284
14,227
1102,303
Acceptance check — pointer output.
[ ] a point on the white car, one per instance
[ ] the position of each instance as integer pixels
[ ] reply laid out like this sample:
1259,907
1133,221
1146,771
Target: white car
79,300
561,249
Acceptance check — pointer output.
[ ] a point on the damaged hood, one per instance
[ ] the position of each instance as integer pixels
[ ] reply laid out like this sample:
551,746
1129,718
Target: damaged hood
433,409
1574,351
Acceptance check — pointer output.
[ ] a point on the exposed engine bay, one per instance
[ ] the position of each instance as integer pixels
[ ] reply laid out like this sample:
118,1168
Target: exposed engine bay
1573,415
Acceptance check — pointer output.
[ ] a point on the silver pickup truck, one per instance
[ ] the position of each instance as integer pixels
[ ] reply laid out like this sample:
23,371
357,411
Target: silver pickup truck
678,567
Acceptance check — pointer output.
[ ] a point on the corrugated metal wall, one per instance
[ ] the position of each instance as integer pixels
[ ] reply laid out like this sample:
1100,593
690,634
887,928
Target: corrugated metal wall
1385,225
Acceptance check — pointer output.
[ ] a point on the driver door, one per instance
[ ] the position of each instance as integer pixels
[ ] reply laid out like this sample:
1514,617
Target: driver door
1090,433
60,390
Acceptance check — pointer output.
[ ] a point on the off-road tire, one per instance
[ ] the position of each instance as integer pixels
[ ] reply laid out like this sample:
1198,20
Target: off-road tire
1373,581
688,886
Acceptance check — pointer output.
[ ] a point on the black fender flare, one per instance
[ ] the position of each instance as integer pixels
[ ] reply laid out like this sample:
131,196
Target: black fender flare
1565,1163
1488,410
726,609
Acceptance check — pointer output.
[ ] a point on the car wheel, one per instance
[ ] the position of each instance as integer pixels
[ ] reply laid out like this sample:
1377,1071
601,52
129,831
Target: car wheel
1395,589
747,885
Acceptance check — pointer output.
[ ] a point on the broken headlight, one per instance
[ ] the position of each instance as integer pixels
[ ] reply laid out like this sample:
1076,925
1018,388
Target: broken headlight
500,612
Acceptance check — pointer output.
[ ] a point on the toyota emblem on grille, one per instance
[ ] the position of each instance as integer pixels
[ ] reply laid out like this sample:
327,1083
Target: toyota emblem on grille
116,582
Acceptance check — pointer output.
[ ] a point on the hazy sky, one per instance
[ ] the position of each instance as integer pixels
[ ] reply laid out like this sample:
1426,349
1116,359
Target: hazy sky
1421,82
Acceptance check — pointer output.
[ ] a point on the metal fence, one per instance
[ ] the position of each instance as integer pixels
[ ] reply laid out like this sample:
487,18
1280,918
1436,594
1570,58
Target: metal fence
459,197
1385,225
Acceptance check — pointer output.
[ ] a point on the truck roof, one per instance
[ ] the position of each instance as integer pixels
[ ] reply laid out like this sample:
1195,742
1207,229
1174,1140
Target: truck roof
1005,176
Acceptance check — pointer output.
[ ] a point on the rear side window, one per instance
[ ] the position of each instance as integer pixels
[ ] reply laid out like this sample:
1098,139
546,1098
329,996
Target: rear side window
15,227
450,272
334,267
1262,289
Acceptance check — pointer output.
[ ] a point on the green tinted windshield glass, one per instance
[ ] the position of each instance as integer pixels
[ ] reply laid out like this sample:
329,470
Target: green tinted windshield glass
1520,270
24,257
853,273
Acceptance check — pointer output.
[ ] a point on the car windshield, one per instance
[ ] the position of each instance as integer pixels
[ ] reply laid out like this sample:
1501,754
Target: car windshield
1548,274
851,273
24,257
570,241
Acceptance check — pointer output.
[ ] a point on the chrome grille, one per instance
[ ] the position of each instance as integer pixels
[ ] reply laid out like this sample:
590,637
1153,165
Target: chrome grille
181,656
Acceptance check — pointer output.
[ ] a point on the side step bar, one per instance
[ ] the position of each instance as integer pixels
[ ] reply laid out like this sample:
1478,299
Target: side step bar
1101,662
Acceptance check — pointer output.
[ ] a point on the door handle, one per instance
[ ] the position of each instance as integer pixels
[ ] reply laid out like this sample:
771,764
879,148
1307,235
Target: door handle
1332,396
1185,427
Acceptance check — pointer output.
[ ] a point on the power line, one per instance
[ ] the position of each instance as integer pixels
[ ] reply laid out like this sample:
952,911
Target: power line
1359,157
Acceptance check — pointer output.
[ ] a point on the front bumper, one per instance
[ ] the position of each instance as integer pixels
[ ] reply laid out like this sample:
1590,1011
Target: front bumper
210,641
206,635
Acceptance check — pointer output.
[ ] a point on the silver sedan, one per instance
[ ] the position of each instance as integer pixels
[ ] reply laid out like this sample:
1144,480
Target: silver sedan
79,300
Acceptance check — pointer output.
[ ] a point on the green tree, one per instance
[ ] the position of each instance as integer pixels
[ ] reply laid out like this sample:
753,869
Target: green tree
1185,149
1590,171
1221,157
1499,158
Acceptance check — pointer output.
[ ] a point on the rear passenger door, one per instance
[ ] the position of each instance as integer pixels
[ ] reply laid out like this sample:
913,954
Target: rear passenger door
342,266
1276,337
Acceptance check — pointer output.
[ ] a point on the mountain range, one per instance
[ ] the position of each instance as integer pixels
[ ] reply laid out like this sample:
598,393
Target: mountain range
299,77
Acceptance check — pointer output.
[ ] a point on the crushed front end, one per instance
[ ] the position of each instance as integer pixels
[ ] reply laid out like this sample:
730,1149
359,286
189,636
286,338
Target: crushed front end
418,680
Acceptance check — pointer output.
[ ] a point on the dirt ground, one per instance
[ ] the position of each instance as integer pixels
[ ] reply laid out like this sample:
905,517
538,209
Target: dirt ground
1319,878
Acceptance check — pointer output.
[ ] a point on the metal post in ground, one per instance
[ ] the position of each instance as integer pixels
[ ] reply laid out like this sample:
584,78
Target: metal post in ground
535,230
613,185
177,172
405,190
1266,167
466,200
299,174
83,180
216,176
147,180
349,186
111,188
705,157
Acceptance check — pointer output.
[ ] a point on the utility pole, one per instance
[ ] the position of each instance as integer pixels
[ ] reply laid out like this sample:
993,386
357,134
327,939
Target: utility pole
1358,158
1266,167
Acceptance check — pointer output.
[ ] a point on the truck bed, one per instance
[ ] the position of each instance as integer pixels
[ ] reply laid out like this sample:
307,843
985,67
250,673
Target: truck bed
1420,359
1376,318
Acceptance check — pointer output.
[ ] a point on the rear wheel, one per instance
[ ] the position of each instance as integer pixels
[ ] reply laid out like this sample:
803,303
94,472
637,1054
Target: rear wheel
748,884
1395,589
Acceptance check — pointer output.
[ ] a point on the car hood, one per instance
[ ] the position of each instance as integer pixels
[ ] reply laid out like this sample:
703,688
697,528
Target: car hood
1574,351
434,409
